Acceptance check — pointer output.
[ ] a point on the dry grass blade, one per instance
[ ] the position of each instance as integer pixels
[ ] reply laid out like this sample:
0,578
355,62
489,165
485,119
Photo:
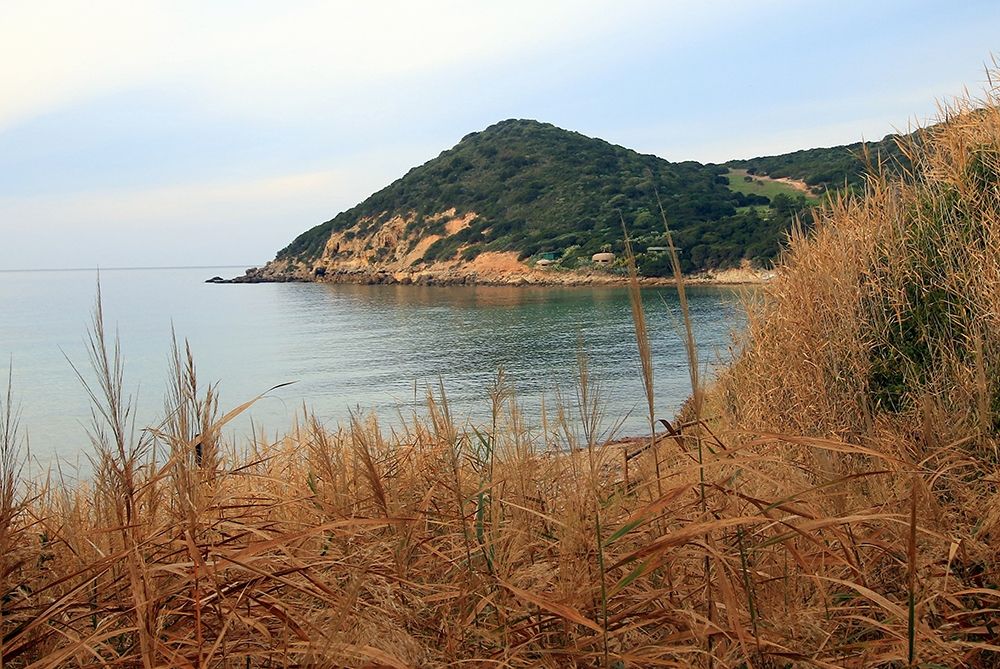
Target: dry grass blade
645,350
561,610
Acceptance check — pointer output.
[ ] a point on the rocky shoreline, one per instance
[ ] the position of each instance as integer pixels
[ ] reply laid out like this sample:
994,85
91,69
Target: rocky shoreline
455,277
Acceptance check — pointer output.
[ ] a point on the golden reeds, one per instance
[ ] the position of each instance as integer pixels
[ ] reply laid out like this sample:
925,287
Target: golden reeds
833,500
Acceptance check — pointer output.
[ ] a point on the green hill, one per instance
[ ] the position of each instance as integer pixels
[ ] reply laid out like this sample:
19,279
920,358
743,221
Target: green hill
536,188
532,188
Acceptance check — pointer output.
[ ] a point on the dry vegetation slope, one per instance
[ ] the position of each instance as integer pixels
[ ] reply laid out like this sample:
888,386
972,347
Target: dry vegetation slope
837,506
391,251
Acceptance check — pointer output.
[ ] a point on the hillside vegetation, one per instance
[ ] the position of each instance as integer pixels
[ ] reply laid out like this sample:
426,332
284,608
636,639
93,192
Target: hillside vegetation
831,168
535,188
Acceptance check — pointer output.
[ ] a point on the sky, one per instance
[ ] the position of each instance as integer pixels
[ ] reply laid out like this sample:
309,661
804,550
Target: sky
176,133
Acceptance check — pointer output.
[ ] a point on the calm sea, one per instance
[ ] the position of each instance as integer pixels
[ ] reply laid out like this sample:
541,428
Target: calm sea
368,348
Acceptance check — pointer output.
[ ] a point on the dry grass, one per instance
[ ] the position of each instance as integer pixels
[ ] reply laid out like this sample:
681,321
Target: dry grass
832,500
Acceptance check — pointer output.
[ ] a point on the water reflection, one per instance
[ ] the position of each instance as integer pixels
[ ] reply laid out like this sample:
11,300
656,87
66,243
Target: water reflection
346,346
373,342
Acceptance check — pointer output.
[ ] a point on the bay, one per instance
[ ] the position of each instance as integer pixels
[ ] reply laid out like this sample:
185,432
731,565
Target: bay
346,348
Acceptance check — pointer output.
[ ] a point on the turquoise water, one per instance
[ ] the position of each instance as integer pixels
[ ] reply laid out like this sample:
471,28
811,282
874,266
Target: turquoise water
346,347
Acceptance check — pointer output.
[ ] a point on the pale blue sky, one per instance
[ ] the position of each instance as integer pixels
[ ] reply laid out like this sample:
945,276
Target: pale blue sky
194,133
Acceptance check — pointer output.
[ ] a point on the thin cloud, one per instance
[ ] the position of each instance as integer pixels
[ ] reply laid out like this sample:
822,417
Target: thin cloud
266,56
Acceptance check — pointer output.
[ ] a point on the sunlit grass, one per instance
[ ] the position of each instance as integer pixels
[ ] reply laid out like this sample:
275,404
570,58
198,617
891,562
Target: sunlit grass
762,185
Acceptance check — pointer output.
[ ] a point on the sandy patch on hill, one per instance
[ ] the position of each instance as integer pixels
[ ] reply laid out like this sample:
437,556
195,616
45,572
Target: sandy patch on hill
458,224
794,183
496,262
419,250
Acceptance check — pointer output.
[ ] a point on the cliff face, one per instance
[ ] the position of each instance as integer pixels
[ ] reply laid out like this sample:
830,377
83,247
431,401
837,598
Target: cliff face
393,252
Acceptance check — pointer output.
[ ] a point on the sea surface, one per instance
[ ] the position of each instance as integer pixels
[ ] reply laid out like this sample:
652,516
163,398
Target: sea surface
346,348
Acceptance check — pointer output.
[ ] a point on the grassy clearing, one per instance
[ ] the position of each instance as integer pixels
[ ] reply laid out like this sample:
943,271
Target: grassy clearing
761,185
831,501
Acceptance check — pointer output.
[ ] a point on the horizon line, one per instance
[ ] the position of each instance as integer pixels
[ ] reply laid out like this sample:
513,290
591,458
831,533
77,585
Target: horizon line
118,269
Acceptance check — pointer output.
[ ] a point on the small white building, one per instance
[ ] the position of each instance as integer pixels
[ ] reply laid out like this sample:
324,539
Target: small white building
544,262
602,258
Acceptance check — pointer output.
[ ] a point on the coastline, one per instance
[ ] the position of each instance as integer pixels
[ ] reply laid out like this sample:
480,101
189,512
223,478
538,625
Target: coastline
463,276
